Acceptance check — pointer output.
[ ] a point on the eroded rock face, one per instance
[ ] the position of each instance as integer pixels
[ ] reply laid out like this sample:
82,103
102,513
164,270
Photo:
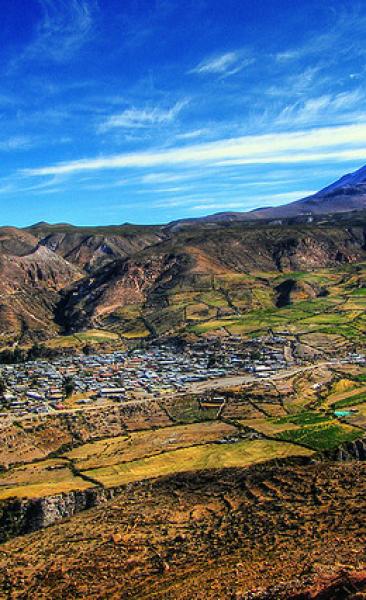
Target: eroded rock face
29,292
21,516
350,451
129,282
90,251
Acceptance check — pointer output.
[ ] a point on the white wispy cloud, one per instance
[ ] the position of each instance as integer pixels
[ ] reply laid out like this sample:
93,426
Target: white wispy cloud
228,63
135,118
341,107
64,27
313,47
219,202
190,135
346,27
328,143
304,81
18,142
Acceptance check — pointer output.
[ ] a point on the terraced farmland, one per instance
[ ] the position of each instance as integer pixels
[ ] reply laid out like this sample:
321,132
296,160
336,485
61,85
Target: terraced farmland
295,415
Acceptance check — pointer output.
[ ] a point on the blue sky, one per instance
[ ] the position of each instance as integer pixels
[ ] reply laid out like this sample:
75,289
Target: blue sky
147,111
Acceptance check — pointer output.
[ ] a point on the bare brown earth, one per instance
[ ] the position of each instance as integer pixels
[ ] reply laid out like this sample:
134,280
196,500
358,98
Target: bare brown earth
267,532
36,438
29,289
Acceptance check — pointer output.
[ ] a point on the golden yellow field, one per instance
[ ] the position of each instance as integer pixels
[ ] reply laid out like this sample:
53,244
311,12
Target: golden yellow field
210,456
40,479
144,444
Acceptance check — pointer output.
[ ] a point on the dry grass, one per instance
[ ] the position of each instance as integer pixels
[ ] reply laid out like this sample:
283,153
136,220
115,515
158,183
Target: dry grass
40,479
210,456
268,427
144,444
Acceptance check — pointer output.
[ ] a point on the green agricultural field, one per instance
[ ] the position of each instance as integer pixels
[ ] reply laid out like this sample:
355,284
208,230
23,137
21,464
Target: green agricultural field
321,436
214,298
97,335
350,401
92,336
64,341
255,303
303,418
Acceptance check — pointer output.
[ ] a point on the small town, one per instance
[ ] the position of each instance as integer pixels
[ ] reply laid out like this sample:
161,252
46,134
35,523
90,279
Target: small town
43,386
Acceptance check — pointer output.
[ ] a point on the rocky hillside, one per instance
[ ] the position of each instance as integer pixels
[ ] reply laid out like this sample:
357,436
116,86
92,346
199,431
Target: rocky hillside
191,259
30,282
144,281
36,264
91,247
214,534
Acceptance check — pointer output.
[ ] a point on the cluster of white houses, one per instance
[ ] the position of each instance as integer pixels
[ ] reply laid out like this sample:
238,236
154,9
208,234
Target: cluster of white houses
39,386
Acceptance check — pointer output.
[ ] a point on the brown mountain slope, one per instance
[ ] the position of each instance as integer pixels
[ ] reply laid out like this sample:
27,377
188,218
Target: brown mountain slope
91,247
40,291
188,258
29,288
15,242
269,532
36,264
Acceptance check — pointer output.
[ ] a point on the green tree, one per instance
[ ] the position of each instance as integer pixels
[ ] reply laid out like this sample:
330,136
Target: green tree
2,387
68,386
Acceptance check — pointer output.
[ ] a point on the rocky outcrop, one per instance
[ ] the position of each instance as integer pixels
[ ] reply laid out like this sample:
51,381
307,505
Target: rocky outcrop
21,516
29,288
350,451
89,248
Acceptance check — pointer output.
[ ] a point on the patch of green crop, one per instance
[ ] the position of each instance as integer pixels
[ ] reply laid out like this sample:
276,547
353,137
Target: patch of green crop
303,418
188,410
351,401
321,436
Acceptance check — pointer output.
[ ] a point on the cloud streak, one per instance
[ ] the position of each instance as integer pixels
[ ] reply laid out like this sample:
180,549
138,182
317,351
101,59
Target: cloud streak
133,118
63,29
342,107
329,143
225,64
17,142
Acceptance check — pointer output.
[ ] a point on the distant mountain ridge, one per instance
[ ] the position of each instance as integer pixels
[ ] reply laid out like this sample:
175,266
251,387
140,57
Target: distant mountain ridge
137,279
346,194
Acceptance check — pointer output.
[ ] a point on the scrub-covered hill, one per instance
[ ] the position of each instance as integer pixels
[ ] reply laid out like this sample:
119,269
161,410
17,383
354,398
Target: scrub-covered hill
273,531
